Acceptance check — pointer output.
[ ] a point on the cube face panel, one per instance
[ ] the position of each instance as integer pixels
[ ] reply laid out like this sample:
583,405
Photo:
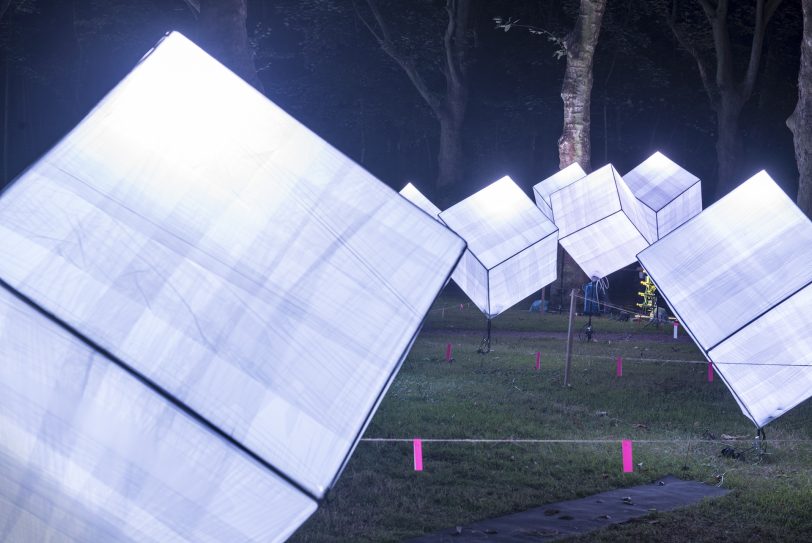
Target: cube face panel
680,210
196,231
605,246
89,454
416,197
586,201
543,190
658,180
672,194
632,209
536,265
472,278
499,223
780,343
735,261
737,276
601,223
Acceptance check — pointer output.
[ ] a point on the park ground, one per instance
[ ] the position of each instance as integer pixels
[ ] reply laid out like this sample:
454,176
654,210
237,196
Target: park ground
678,420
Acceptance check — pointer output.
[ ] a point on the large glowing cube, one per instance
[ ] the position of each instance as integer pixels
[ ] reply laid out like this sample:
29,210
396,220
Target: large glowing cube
600,222
670,195
202,304
739,278
91,454
512,246
543,190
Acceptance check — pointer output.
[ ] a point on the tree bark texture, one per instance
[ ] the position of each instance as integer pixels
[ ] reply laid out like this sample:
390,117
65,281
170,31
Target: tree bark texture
800,122
455,100
728,142
449,155
576,91
225,37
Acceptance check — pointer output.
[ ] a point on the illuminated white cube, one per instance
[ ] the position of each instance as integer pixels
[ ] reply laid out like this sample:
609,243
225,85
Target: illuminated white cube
512,246
202,306
670,195
543,190
600,222
738,276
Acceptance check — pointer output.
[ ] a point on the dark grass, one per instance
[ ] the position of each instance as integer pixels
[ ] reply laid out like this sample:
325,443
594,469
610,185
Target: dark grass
501,396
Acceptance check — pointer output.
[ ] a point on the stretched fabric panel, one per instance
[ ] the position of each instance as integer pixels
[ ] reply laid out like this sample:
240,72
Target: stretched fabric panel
468,273
738,277
601,224
416,197
543,190
670,195
511,246
231,257
88,453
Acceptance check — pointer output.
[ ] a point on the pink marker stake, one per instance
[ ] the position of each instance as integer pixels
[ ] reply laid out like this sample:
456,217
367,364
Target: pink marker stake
418,455
710,372
628,465
619,366
676,328
538,360
448,352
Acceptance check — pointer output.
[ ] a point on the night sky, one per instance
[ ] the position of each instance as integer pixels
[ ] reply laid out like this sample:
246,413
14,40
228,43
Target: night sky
319,62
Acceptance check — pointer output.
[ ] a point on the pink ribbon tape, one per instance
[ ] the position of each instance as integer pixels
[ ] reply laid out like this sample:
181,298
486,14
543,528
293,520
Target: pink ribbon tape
628,465
620,366
418,455
538,360
448,352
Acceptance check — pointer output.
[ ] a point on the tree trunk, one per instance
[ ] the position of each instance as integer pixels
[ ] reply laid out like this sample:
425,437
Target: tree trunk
800,122
576,91
224,36
449,157
449,106
728,144
727,92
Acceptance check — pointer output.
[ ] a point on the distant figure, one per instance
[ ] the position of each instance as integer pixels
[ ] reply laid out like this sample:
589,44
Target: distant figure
594,292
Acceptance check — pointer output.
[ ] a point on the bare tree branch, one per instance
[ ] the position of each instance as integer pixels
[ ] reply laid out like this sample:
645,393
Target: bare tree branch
4,6
194,6
685,42
448,41
384,39
708,8
772,5
375,35
763,15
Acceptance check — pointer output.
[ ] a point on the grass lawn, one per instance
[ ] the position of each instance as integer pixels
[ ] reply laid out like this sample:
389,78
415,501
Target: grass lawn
676,417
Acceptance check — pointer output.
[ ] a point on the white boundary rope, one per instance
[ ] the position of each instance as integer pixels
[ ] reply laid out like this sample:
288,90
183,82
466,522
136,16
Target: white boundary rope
570,441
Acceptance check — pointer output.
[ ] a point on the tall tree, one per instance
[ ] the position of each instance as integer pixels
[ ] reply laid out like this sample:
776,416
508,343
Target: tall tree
574,145
727,91
450,104
578,48
576,90
800,122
